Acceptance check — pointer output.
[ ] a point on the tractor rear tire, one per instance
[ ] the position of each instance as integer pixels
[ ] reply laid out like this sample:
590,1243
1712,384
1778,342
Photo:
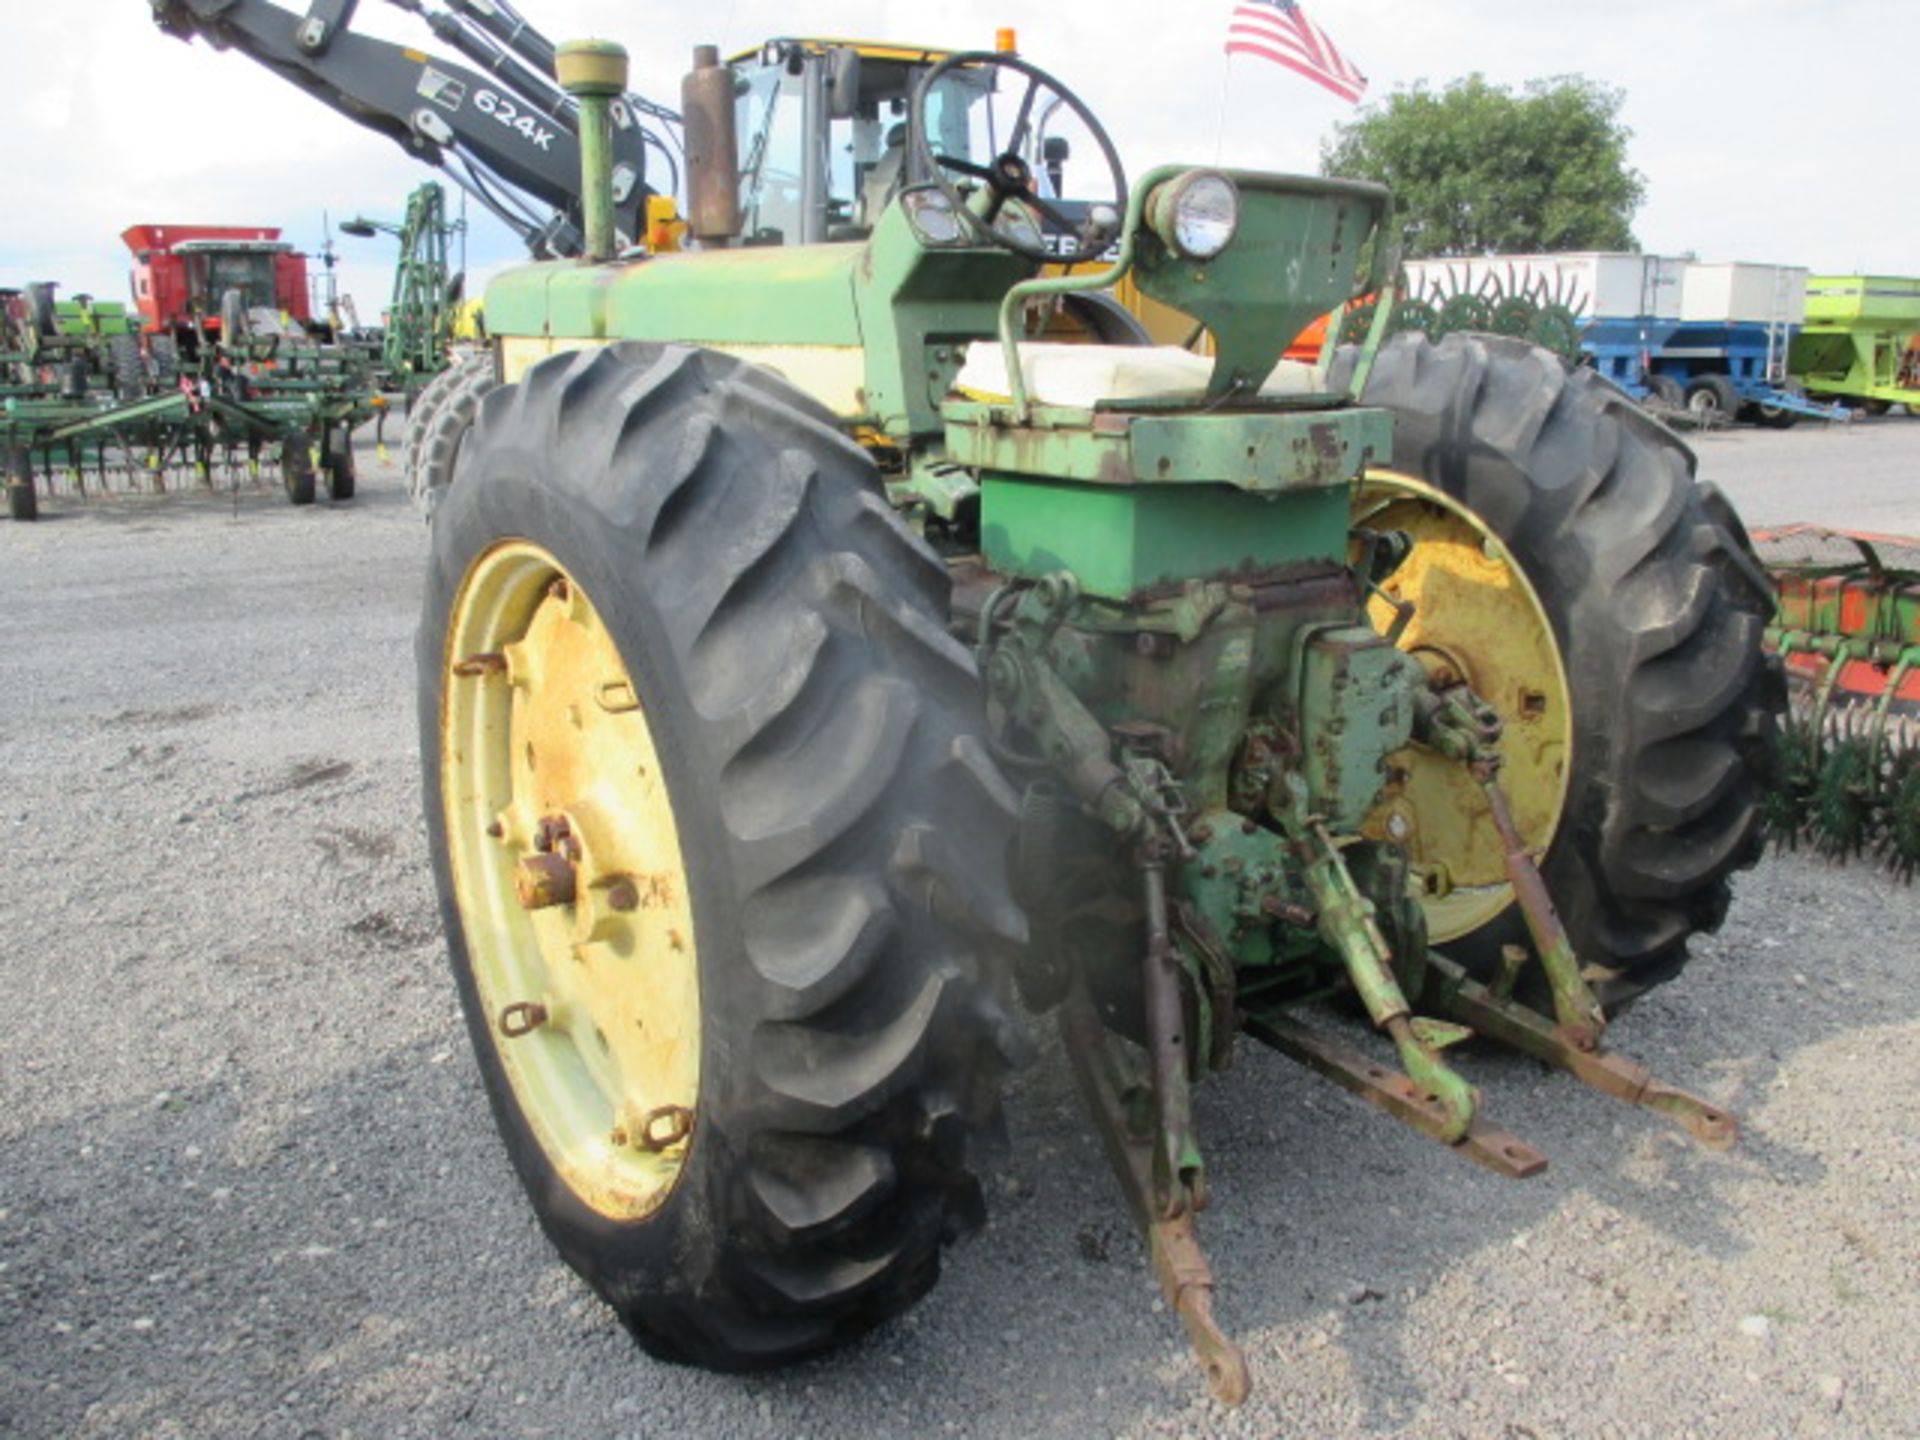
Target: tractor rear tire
1658,607
820,742
439,425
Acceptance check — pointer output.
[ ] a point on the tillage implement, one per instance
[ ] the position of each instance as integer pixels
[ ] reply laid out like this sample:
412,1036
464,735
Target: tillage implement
816,669
218,374
1848,628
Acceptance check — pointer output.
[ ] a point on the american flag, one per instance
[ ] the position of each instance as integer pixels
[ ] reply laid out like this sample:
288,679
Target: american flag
1279,30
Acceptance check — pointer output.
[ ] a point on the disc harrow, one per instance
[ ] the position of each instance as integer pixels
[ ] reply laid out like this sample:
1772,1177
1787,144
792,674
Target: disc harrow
1847,628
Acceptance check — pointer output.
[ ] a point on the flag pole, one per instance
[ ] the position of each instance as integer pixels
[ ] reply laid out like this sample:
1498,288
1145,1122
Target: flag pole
1220,124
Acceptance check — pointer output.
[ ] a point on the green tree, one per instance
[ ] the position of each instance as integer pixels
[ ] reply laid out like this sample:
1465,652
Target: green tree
1477,169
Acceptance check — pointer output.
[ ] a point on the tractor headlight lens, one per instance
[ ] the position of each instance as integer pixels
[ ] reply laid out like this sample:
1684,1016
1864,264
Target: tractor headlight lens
930,213
1016,222
1196,214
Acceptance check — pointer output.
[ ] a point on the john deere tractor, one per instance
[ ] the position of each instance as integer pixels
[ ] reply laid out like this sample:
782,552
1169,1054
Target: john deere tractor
820,678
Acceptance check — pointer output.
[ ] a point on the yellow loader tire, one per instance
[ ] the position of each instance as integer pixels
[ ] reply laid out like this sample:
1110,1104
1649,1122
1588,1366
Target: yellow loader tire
1658,607
841,837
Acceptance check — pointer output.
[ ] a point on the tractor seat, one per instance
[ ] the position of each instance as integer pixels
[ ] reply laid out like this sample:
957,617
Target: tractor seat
1062,373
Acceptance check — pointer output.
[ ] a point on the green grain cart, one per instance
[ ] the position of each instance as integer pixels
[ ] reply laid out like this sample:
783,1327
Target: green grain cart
1858,344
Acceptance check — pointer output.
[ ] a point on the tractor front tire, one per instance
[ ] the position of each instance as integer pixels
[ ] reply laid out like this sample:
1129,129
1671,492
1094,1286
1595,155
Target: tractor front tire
820,943
1657,607
439,426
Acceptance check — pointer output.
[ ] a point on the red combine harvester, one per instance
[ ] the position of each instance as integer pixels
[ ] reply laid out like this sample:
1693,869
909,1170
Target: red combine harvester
191,281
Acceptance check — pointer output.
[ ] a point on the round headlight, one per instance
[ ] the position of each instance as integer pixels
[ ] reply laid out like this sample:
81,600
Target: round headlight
1195,214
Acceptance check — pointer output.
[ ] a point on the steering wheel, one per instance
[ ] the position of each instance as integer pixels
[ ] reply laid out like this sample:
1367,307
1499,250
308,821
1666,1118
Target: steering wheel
1010,176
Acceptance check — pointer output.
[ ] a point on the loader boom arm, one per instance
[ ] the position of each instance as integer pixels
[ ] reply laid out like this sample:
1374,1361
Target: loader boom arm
501,127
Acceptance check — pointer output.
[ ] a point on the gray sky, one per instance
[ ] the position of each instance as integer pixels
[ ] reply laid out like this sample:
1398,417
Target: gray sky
1768,130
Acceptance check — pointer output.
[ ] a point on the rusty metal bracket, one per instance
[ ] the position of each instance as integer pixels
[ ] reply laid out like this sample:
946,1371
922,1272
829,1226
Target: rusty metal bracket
1457,995
1172,1244
1574,1005
1394,1093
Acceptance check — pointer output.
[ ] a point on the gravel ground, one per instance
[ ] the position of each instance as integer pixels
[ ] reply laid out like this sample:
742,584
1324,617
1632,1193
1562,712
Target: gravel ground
250,1185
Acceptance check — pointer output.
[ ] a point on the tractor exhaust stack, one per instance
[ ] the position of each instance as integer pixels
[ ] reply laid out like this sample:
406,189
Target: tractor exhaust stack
713,148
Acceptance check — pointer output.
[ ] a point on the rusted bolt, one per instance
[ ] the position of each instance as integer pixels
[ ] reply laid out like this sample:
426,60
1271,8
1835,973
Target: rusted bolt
664,1126
543,880
1201,832
554,834
487,662
623,895
496,829
523,1017
1286,912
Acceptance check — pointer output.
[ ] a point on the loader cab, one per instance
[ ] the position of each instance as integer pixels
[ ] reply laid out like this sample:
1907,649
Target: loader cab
823,135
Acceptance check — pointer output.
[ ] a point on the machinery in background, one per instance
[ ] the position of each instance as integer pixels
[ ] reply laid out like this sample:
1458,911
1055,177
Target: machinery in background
1861,342
193,283
1703,343
217,371
425,309
1848,627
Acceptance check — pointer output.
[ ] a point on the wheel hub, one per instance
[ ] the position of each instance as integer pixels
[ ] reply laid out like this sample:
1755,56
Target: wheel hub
1476,620
571,887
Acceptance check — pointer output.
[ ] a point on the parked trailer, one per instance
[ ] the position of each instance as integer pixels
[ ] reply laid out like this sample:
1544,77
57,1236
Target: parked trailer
1861,341
1712,338
1729,351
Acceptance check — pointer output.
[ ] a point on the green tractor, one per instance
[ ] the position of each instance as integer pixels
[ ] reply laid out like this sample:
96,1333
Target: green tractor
819,678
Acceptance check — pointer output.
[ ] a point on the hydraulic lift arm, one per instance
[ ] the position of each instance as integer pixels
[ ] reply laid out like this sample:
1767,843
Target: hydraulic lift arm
503,131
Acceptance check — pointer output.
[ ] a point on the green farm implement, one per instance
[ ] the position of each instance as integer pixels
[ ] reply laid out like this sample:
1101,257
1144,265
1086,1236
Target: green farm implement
1849,629
814,669
418,327
1859,341
236,422
90,402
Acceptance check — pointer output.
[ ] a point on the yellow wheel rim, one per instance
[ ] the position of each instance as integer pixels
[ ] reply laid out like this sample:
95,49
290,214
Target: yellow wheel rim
1478,619
551,781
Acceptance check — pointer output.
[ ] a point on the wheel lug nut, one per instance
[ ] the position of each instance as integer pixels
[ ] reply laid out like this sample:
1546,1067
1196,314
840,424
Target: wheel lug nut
543,880
487,663
522,1017
623,895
